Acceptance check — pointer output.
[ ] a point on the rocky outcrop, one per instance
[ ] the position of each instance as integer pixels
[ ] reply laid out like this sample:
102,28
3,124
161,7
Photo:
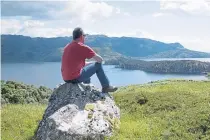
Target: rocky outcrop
78,112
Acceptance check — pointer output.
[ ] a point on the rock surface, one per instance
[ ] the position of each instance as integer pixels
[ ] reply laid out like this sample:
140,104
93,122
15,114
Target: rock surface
78,112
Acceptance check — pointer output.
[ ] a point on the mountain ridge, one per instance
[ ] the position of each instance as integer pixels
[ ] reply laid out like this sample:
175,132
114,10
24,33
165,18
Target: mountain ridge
19,48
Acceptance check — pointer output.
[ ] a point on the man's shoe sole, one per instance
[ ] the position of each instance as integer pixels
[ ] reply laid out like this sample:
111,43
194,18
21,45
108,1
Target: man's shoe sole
110,90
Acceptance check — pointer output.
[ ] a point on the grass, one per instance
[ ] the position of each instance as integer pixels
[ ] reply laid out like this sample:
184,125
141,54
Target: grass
165,110
18,122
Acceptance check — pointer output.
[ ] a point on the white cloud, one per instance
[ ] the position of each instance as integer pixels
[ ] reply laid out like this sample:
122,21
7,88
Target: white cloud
192,43
196,7
87,10
165,5
126,14
118,10
33,28
198,44
33,23
137,33
160,14
74,13
10,26
77,9
48,32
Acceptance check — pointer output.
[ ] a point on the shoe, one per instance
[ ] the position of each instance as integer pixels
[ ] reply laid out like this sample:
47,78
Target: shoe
109,89
102,95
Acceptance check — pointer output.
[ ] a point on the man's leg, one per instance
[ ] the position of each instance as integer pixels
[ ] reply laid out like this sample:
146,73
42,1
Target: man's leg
91,69
88,81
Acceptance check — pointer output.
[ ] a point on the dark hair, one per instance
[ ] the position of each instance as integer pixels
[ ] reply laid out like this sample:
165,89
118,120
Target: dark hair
77,33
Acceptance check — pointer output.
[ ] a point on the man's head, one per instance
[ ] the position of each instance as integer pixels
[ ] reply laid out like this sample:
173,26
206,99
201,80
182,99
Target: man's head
78,34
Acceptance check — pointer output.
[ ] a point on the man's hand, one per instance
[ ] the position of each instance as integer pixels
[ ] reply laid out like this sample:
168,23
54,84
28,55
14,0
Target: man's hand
98,58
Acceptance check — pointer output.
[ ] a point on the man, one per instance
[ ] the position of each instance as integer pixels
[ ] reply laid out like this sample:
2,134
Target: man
74,68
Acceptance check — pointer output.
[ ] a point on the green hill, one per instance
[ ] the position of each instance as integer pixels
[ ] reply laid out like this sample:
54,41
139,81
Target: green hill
18,48
165,110
179,53
177,110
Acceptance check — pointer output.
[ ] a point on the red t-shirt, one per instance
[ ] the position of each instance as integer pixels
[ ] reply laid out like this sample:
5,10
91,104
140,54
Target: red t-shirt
73,59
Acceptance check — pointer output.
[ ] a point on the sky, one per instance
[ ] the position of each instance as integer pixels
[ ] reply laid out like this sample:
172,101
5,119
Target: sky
183,21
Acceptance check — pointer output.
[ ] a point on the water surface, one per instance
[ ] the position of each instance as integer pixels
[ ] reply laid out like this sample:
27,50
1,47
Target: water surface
48,74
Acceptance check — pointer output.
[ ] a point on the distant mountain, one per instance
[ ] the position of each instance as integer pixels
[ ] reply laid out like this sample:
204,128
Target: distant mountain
18,48
180,53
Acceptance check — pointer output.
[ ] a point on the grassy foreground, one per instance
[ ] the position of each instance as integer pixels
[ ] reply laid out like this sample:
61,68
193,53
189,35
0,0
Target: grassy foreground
18,122
166,110
177,110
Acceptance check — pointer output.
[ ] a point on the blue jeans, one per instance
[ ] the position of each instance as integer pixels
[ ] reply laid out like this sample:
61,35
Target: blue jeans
91,69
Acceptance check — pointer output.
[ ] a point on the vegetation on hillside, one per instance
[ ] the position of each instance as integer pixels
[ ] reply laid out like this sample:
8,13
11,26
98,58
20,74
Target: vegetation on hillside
158,110
165,110
18,48
179,53
177,67
19,93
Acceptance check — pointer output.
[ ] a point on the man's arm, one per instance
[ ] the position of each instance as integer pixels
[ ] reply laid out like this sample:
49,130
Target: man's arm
91,54
98,58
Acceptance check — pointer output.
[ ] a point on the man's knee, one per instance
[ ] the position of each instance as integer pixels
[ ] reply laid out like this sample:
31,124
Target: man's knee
98,65
87,81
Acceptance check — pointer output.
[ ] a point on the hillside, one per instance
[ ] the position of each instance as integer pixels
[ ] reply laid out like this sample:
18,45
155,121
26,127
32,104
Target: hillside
164,66
18,48
175,67
179,53
165,110
157,110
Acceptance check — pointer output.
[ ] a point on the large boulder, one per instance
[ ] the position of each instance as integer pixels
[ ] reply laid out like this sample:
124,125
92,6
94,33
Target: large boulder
78,112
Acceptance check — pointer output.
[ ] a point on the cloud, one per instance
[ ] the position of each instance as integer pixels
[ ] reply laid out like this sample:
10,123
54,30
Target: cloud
33,23
33,28
137,33
198,7
35,18
86,10
33,9
81,9
48,32
36,28
192,43
10,26
198,44
160,14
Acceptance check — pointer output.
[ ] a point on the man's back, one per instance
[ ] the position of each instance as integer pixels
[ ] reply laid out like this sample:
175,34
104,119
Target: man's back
73,59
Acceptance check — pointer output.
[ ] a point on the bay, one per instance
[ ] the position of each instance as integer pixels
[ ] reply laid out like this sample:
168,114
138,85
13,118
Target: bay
49,74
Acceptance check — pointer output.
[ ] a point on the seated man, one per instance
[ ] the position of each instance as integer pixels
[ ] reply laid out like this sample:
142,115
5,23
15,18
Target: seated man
74,68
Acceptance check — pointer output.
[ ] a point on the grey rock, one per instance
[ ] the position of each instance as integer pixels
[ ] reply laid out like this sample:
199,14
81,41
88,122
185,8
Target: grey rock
78,112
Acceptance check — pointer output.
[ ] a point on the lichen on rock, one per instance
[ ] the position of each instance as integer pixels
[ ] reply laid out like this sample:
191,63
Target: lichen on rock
89,107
